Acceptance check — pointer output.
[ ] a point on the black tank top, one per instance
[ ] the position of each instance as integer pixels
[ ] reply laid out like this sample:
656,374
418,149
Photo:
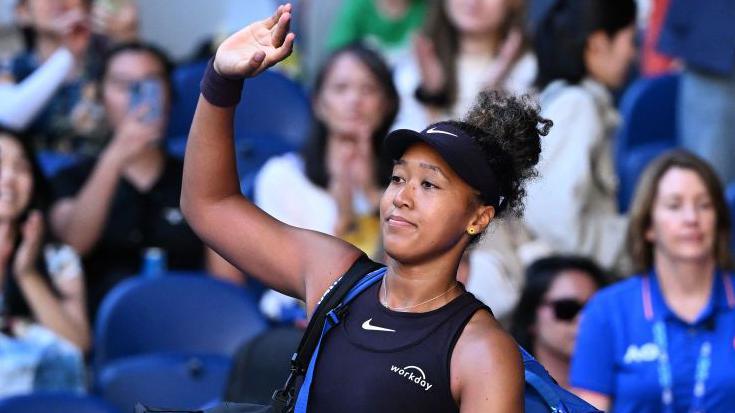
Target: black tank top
378,360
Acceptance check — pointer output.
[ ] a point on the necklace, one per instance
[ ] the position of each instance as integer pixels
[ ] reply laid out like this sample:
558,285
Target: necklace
385,297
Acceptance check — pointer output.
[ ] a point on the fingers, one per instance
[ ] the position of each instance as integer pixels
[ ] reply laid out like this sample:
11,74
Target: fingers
285,50
281,30
6,232
273,20
33,227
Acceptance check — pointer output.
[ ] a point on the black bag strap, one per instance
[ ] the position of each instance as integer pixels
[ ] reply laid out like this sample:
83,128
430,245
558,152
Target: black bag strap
331,299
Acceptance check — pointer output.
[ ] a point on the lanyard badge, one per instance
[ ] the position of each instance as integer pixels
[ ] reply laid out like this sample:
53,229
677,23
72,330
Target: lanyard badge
704,358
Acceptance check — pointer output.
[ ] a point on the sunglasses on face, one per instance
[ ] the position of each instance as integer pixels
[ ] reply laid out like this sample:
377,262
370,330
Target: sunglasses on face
565,309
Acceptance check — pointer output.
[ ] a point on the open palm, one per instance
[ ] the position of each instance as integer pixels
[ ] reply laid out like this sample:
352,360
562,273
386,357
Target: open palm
257,47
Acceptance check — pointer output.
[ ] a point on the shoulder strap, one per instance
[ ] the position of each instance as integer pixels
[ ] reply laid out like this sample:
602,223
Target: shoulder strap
283,398
334,295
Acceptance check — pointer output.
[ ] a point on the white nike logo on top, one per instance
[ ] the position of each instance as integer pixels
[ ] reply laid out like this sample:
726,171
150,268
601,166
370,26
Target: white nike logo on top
435,130
367,326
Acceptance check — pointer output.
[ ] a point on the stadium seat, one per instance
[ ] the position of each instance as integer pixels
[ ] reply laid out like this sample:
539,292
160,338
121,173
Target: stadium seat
278,106
185,83
172,381
52,163
262,365
55,403
648,128
174,313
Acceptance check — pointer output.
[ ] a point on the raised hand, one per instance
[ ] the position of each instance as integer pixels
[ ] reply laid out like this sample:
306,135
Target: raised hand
135,134
7,243
257,47
362,162
118,20
28,250
433,78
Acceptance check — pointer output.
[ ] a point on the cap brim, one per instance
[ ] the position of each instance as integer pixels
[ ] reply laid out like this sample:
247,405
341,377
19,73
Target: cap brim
396,143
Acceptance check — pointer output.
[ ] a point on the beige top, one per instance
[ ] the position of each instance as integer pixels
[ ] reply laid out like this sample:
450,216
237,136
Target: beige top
573,203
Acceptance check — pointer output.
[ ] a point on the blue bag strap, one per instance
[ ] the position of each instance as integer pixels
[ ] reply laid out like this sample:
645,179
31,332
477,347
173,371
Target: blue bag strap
332,319
546,391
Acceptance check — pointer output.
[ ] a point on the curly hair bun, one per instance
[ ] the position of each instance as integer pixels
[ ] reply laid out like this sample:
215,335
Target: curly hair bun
509,130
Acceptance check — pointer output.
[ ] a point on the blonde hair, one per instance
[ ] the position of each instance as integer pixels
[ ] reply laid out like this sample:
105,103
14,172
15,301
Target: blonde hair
639,248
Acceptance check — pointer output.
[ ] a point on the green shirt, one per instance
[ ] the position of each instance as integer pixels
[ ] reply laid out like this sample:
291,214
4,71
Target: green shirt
361,20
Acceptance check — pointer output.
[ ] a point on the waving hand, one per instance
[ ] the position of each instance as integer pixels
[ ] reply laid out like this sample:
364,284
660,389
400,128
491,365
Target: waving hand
257,47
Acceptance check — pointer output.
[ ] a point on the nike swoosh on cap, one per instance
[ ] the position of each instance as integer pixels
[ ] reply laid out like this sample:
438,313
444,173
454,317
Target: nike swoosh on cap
367,326
435,130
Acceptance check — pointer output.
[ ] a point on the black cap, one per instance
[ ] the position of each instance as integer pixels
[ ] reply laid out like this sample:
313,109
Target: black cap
457,148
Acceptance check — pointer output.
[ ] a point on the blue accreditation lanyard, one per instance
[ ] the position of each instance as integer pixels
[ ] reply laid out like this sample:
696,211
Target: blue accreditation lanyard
704,359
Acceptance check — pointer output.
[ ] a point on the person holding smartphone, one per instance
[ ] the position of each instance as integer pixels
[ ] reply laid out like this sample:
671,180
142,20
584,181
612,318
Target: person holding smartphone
111,209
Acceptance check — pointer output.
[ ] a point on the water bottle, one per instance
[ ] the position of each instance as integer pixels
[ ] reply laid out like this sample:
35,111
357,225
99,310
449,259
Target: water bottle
154,262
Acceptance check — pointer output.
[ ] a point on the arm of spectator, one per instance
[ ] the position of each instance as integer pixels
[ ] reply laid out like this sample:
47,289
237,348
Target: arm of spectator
559,201
20,103
592,371
80,220
297,262
64,315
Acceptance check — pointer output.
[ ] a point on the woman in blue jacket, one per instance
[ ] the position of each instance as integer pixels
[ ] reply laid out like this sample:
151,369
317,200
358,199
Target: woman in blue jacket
664,340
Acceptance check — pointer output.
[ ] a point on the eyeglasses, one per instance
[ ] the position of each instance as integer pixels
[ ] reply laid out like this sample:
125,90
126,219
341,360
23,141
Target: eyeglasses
565,309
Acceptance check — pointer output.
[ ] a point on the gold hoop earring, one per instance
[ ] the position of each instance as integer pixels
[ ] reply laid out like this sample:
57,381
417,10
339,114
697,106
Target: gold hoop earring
471,230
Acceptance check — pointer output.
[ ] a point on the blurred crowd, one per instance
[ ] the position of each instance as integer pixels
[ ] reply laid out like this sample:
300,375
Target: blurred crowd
641,93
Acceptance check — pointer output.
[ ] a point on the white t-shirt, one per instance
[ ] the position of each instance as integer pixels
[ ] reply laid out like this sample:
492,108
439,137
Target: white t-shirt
472,76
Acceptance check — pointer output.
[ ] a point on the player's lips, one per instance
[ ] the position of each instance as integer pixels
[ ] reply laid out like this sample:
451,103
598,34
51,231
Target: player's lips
399,221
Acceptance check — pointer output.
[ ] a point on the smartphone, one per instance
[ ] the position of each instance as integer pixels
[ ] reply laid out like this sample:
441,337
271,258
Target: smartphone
149,93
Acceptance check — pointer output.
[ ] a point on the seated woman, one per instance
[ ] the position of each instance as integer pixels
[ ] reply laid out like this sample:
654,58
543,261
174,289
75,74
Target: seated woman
584,49
336,182
547,317
467,47
112,209
43,317
662,341
448,182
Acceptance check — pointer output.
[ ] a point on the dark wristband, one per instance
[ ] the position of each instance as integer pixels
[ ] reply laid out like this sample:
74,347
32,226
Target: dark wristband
439,99
219,90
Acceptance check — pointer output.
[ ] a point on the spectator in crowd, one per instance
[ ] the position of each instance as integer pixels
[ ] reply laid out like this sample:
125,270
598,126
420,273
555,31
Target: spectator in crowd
467,46
336,181
662,341
21,103
115,207
68,120
584,49
43,319
386,25
547,317
702,35
71,122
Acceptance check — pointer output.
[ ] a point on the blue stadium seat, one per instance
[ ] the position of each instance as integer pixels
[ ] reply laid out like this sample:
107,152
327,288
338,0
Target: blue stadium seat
278,106
55,403
275,118
180,381
274,105
648,128
174,314
52,162
185,82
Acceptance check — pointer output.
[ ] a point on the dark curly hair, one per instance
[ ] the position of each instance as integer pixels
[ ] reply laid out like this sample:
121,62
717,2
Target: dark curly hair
508,128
